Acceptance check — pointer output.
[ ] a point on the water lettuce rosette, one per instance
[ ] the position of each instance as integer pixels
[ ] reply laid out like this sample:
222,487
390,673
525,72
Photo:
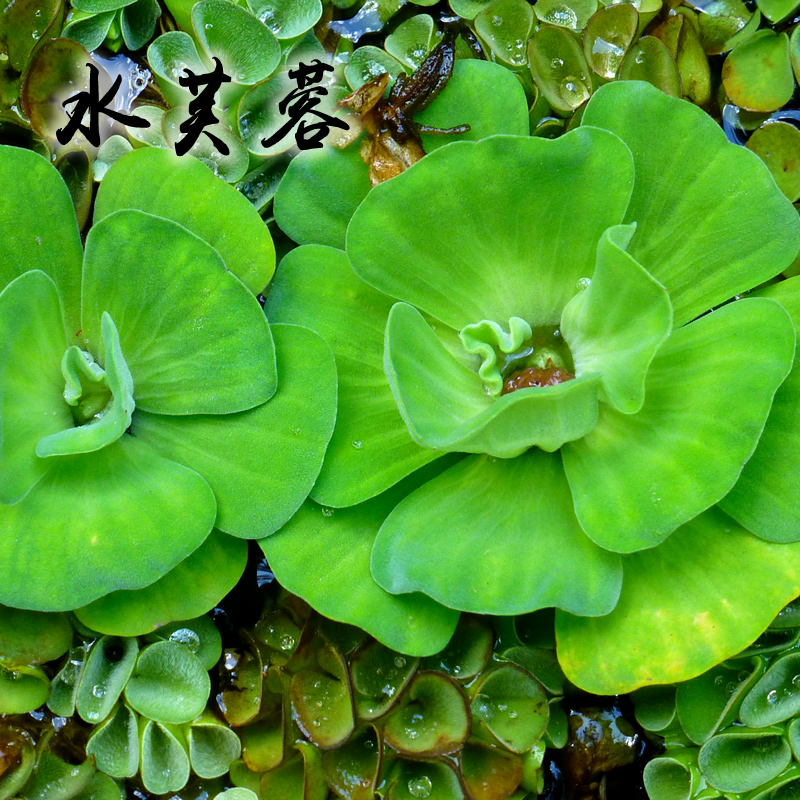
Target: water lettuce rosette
606,266
150,417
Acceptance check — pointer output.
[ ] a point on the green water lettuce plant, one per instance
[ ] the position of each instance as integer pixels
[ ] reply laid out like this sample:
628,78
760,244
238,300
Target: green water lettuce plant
536,408
146,401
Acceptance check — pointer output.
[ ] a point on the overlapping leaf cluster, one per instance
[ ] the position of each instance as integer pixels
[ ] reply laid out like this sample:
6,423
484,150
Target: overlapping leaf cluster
734,731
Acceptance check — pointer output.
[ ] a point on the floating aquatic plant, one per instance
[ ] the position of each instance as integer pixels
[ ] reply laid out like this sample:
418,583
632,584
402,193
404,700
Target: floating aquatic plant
144,392
536,408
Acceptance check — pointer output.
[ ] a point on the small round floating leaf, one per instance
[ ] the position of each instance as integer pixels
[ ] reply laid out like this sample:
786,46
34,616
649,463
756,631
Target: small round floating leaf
432,717
757,75
411,41
712,700
287,18
778,145
367,63
789,617
379,676
240,686
230,166
510,706
741,760
54,779
432,780
321,700
65,684
559,68
300,778
55,66
110,152
237,793
138,22
468,9
505,26
260,185
264,743
90,31
777,10
212,747
776,696
165,762
108,668
247,48
608,36
259,118
572,14
169,683
720,22
169,56
24,25
542,663
101,787
192,587
693,65
22,689
100,6
353,769
650,60
654,706
115,744
490,773
30,637
468,652
671,778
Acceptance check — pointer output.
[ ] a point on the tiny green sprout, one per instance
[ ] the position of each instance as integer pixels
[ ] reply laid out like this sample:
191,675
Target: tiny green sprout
557,405
146,401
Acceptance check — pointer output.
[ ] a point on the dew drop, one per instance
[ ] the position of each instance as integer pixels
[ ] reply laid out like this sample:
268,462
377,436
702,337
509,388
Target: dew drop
209,26
772,697
357,444
420,787
719,680
287,642
399,662
731,687
557,63
99,691
186,637
513,714
327,512
497,21
584,283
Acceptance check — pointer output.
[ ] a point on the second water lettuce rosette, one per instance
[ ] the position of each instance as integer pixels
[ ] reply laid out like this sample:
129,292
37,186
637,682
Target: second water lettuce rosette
151,417
536,408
